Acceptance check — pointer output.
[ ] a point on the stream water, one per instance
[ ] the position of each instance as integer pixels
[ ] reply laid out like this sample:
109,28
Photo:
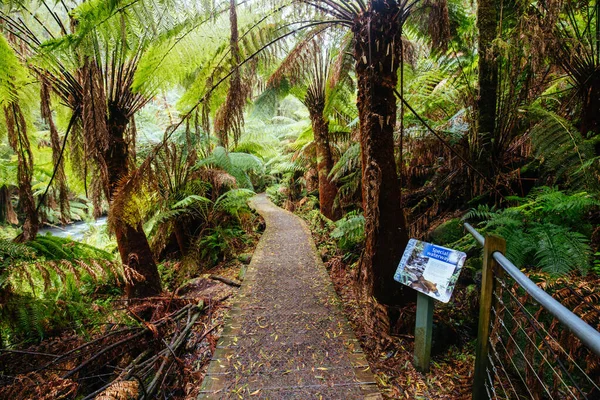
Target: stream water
75,231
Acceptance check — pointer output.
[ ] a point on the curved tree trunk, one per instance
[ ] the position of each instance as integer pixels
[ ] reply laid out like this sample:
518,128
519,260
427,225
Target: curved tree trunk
377,54
327,189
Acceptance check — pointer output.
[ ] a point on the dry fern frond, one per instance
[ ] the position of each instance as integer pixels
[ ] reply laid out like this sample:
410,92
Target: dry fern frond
123,390
40,387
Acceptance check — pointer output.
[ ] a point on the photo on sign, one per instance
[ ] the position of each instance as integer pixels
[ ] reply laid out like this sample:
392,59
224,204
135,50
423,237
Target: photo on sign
430,269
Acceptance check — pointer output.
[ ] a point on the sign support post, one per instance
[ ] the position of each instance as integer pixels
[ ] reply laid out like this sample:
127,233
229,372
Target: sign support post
432,271
423,332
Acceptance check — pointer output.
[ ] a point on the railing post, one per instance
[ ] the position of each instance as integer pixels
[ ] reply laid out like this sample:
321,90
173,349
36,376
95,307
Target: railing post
492,244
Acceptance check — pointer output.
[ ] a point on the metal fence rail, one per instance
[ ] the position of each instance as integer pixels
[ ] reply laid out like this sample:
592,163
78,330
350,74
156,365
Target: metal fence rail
529,345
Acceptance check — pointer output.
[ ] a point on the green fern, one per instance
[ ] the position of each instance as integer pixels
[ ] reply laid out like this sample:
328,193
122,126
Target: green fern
239,165
563,151
544,230
350,230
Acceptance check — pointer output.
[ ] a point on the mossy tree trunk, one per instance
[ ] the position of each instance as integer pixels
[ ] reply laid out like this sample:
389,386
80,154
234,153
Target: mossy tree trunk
327,189
377,53
143,279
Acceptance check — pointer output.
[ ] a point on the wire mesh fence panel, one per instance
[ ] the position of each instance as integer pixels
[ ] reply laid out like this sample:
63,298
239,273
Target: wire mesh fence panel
532,354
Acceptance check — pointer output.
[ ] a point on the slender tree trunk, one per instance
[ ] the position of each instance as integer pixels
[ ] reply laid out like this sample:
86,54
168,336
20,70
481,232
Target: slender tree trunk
7,213
488,83
377,54
327,189
590,108
19,141
141,271
61,178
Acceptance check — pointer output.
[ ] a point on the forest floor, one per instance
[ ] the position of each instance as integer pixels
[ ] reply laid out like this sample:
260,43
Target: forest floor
286,336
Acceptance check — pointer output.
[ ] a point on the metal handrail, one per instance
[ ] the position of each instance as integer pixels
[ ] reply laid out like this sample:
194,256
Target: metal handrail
587,334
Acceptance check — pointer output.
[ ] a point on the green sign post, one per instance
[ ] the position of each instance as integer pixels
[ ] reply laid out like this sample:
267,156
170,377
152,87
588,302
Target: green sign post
423,332
432,271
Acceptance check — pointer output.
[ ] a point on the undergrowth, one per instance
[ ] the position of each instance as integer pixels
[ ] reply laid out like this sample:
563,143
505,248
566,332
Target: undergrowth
52,284
547,230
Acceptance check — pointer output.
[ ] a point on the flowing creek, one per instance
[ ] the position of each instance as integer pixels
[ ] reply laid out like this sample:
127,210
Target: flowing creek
77,230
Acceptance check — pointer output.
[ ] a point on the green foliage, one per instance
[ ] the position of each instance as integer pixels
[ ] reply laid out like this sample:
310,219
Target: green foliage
56,248
545,230
12,74
11,252
565,154
239,165
277,194
46,284
218,243
350,231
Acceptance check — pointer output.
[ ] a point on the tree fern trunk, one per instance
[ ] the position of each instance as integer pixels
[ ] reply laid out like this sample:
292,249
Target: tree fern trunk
7,213
19,141
327,189
377,54
57,161
142,275
488,83
590,110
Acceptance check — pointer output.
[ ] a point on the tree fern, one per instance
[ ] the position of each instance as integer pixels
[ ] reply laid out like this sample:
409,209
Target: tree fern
236,164
348,162
564,153
350,230
544,230
559,250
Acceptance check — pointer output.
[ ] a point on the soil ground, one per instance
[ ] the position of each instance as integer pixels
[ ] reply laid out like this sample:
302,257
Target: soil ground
286,336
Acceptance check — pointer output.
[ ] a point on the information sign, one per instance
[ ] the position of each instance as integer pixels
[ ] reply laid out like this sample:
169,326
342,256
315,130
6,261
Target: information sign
430,269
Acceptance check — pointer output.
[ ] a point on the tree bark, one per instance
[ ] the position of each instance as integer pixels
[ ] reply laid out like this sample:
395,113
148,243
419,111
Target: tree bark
590,108
142,275
7,213
19,141
327,189
377,54
488,82
46,112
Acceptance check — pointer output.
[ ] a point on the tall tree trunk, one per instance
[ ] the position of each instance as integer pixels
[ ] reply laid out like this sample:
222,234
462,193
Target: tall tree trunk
487,24
19,141
327,189
377,54
57,160
590,108
7,213
141,271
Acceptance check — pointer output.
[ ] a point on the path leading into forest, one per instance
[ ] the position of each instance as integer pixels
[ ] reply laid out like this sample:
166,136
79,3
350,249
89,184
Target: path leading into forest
286,336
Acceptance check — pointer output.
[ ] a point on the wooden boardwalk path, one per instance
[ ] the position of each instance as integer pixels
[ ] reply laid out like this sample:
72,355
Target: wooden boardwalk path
286,336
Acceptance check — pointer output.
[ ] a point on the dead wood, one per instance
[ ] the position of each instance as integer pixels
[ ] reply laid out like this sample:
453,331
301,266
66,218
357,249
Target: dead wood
226,281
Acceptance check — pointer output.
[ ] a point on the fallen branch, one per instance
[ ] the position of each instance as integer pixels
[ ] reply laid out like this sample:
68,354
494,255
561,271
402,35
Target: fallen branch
226,281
